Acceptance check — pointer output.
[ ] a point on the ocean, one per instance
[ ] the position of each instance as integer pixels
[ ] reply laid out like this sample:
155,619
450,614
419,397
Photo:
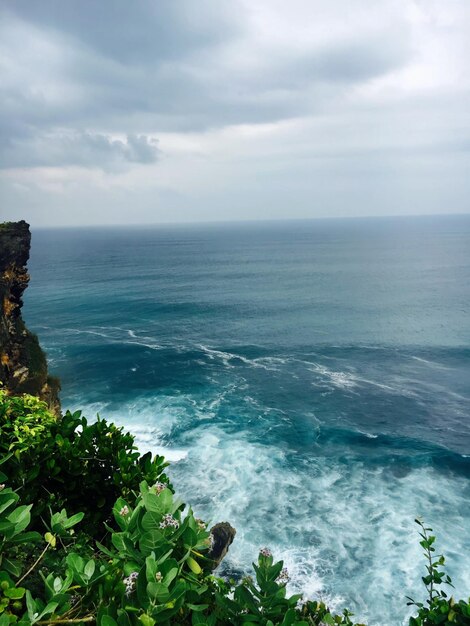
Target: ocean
309,381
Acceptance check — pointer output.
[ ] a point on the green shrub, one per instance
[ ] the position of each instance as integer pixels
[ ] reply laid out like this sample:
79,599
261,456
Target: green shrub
439,607
16,566
68,463
264,601
24,423
156,571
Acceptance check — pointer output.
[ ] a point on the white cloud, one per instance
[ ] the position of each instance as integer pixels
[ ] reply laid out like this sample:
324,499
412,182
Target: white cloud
260,110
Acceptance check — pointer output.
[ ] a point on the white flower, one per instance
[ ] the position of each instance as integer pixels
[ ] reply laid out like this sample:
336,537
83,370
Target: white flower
124,511
130,582
169,521
283,577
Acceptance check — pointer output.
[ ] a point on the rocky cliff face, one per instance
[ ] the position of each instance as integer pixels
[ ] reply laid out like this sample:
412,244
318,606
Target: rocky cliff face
23,366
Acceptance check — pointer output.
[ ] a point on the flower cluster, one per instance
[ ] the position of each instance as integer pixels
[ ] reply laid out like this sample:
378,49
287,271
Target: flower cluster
158,577
265,552
124,511
169,521
201,523
130,582
283,577
159,487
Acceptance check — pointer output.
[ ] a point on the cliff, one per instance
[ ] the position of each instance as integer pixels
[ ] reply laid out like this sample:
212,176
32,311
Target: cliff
23,365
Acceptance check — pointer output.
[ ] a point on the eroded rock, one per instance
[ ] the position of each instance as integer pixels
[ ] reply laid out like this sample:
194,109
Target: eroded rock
223,535
23,365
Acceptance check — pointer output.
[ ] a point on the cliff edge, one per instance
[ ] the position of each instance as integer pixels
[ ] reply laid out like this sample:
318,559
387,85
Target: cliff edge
23,365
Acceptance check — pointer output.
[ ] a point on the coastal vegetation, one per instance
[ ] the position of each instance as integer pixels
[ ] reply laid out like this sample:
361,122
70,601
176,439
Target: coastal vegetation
91,532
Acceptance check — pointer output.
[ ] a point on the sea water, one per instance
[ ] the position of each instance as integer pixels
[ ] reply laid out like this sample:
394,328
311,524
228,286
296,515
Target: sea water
309,381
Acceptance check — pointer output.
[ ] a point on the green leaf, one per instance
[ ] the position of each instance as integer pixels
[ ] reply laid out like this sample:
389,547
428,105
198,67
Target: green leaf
198,620
14,593
105,550
170,576
28,537
118,542
151,521
20,518
12,566
158,592
123,618
121,520
7,499
31,606
190,538
152,502
89,569
50,608
166,500
72,521
150,540
151,568
131,566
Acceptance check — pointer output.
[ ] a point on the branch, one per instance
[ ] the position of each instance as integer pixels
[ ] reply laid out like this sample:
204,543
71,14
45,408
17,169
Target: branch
88,618
34,564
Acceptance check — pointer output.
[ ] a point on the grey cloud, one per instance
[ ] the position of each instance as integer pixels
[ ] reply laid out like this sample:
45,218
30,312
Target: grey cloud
91,83
85,149
141,149
159,66
362,60
132,32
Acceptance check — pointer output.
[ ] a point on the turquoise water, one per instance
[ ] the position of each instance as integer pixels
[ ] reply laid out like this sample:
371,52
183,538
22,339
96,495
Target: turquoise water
309,380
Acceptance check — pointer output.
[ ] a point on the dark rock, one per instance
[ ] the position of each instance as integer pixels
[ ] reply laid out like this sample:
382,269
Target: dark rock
223,535
23,365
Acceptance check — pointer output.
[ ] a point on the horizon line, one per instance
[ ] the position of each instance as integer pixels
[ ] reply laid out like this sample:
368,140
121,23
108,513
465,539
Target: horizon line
246,221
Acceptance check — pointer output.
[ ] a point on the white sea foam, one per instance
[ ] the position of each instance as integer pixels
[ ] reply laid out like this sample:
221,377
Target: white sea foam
76,331
368,435
350,380
146,344
229,359
344,529
116,334
345,380
433,364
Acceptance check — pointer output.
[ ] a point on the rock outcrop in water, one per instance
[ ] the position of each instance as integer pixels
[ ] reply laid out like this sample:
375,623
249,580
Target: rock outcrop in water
23,365
223,535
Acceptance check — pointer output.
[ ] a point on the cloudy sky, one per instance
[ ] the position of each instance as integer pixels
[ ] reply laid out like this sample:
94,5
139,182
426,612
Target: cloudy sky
191,110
